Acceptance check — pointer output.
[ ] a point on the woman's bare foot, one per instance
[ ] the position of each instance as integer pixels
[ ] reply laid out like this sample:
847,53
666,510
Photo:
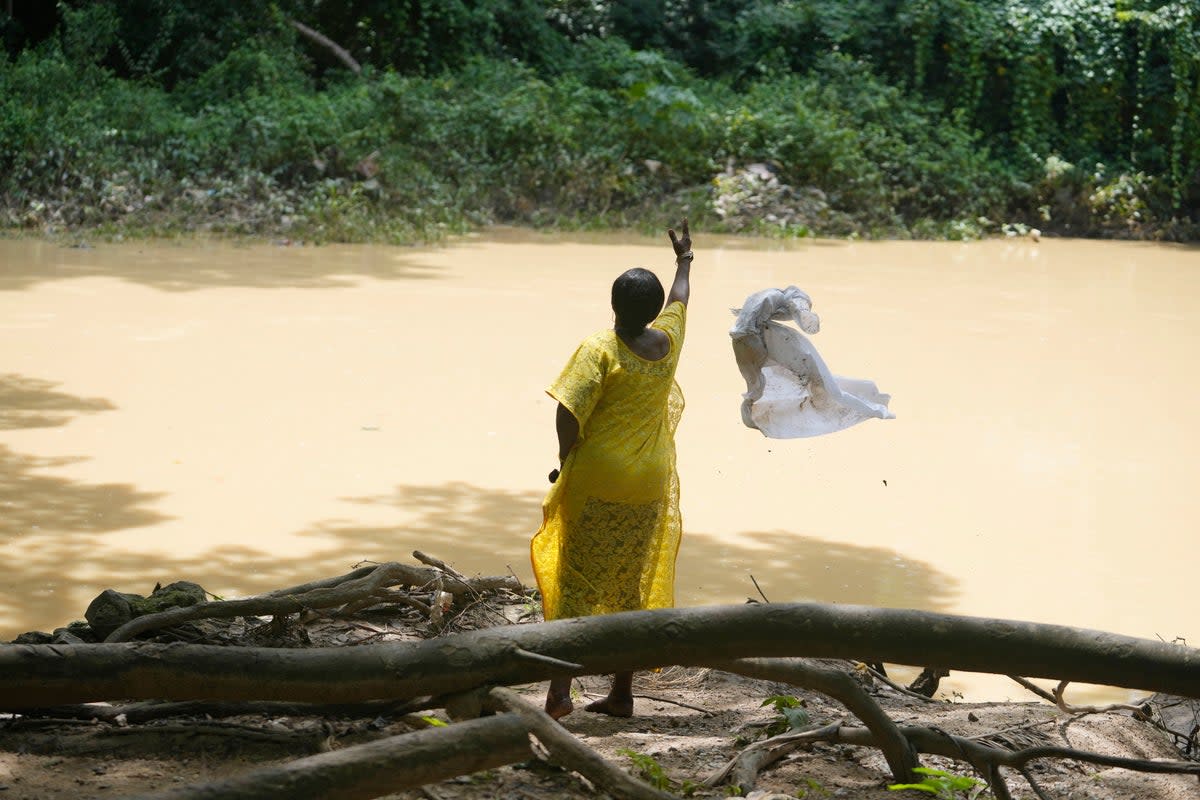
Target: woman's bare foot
559,707
613,706
558,698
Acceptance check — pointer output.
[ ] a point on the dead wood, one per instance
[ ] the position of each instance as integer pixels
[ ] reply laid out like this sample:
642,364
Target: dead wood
569,752
877,673
741,772
1060,700
438,564
988,759
78,738
377,768
839,685
338,51
137,713
32,676
357,589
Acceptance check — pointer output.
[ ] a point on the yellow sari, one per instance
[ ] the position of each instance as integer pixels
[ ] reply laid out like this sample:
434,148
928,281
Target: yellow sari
611,526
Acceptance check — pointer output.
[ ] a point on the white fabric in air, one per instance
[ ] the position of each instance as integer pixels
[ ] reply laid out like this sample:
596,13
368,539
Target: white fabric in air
790,392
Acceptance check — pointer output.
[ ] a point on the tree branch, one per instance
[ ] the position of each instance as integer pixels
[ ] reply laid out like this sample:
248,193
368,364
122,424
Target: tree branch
41,675
354,588
840,686
377,768
324,41
567,751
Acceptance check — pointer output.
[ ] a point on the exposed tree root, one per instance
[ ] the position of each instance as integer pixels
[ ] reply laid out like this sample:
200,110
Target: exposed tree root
358,589
567,751
377,768
465,672
839,685
985,758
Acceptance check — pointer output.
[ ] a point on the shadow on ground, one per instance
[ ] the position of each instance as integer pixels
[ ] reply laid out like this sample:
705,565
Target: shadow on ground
190,265
475,529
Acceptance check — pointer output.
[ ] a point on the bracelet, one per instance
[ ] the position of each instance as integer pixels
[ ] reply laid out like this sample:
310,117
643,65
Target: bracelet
688,255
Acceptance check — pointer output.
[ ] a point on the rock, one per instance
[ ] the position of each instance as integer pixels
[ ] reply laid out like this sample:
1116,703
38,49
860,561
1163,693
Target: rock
84,631
173,595
110,610
34,637
65,636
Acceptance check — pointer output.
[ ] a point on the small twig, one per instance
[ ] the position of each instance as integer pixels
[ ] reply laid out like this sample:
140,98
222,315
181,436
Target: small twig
1033,687
904,690
437,562
1067,708
760,591
790,740
658,699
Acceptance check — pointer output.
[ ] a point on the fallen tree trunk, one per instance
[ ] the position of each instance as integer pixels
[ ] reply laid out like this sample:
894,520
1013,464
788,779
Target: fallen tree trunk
378,768
40,675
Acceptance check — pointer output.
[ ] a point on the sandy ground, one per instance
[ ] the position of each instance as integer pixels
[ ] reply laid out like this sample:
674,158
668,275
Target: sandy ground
691,722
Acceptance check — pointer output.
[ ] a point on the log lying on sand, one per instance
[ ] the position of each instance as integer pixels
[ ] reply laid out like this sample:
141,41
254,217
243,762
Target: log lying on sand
32,676
377,768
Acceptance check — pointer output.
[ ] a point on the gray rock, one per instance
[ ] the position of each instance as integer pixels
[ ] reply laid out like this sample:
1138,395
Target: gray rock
65,636
110,610
173,595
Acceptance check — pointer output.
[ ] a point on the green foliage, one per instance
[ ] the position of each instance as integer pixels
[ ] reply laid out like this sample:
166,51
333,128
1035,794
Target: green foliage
792,715
812,789
910,118
939,783
649,769
653,773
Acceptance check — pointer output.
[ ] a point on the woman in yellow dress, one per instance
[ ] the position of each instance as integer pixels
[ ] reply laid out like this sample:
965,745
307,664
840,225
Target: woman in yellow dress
611,525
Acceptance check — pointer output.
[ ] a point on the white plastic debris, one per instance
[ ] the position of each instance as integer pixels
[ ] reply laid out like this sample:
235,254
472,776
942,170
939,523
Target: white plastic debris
790,392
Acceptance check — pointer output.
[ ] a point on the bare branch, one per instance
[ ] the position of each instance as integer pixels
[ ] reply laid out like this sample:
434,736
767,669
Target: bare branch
324,41
567,751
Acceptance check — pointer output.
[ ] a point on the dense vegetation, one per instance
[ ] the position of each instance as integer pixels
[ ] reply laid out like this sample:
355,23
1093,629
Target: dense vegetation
793,117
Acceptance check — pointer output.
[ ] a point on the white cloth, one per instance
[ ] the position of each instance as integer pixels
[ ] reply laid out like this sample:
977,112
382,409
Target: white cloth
789,391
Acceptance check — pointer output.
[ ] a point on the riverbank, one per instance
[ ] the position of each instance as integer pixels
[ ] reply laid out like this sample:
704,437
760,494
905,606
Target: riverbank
243,414
690,724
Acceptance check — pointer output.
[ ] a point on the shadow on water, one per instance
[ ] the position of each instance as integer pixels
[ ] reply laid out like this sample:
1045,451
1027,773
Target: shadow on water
49,524
54,530
194,265
791,567
480,530
33,403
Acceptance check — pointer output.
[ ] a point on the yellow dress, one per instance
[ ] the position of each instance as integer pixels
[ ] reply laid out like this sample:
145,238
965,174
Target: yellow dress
611,526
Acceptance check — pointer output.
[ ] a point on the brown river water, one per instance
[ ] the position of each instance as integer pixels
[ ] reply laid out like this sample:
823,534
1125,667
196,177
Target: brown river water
254,416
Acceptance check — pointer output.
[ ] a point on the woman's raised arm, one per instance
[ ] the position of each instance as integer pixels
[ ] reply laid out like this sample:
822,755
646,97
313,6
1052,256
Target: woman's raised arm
681,288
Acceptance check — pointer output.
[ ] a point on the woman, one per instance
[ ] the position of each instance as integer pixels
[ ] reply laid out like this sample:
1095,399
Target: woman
611,525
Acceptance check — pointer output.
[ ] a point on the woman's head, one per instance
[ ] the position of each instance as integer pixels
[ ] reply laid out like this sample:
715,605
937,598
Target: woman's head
637,297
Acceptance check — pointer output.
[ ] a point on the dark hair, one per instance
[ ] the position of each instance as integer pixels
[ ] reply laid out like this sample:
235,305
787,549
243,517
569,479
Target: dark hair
637,297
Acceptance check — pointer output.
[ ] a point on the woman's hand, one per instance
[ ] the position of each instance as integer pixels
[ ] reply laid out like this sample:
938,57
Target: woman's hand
681,288
682,245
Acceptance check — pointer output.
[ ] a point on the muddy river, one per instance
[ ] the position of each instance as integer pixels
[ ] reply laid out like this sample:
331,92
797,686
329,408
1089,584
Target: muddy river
254,416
